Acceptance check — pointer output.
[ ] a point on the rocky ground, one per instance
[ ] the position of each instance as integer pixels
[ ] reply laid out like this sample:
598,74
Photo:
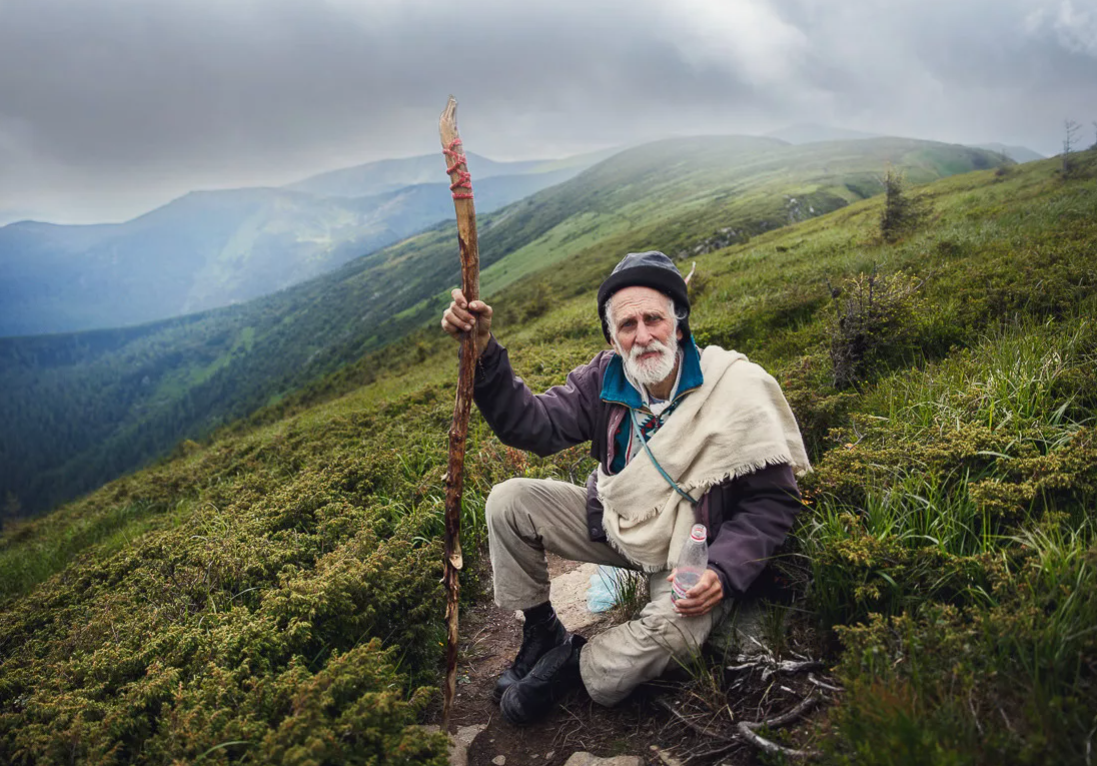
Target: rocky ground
683,719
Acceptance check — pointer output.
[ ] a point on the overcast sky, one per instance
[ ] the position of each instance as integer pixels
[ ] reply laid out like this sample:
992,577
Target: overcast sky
109,108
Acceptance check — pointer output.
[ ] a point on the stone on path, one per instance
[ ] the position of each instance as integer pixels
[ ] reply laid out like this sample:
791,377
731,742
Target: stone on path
568,593
743,631
460,742
466,734
665,756
499,760
586,759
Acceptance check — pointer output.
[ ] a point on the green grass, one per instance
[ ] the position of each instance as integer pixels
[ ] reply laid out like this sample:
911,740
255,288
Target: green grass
277,586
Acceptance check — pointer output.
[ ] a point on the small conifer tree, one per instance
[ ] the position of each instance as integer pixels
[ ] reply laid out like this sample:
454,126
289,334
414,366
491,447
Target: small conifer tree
11,508
1070,140
901,212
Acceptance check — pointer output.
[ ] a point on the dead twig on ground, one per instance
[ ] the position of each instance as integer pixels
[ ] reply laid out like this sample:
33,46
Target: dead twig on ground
747,730
824,684
769,664
723,749
702,730
772,747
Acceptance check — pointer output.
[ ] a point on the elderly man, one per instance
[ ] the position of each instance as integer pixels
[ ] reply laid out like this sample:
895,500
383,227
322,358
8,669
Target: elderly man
681,436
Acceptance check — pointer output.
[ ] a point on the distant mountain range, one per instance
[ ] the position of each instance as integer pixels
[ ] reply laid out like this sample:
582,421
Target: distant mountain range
217,248
1015,153
390,175
12,216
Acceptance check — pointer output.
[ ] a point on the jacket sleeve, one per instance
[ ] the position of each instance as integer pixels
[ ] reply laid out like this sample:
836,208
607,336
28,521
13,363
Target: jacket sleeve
757,511
545,423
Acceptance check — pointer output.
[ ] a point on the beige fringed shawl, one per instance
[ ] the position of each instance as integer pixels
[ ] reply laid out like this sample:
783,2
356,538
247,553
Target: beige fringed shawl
735,424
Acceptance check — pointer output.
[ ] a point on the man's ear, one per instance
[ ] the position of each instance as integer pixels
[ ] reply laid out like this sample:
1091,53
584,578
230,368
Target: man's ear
680,335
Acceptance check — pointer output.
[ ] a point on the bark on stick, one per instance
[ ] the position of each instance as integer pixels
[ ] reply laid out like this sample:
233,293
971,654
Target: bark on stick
458,434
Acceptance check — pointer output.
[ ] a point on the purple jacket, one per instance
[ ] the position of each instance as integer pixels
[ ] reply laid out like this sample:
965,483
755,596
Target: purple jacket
747,517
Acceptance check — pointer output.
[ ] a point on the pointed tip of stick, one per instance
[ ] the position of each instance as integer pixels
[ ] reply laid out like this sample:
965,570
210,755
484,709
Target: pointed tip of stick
448,117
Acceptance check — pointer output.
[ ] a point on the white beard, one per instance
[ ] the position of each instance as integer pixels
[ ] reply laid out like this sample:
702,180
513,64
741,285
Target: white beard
651,372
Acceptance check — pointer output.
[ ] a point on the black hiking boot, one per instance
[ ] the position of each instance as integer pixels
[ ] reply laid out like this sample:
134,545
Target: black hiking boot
537,639
552,677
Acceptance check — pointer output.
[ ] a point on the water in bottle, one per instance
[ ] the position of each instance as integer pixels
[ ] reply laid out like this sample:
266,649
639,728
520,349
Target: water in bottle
692,562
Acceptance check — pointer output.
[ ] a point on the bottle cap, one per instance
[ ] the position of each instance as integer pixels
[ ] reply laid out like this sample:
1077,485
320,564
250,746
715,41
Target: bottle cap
699,533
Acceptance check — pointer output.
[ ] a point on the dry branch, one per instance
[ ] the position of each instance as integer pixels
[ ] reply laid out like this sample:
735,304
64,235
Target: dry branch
702,730
772,747
823,684
461,185
746,731
770,665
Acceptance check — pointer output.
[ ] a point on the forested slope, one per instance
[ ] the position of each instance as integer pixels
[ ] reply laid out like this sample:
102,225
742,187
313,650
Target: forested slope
273,596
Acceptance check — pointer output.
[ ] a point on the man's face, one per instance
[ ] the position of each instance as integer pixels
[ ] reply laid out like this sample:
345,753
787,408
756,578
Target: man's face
644,333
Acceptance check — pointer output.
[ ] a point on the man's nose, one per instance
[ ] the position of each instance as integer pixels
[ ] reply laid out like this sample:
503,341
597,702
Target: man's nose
643,335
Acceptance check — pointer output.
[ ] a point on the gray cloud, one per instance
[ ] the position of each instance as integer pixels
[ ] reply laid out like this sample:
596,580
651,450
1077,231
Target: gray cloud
109,107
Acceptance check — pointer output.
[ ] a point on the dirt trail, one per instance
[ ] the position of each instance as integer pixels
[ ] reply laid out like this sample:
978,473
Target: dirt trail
668,723
490,638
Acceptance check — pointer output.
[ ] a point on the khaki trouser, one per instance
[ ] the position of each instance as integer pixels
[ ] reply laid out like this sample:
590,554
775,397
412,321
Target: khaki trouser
527,517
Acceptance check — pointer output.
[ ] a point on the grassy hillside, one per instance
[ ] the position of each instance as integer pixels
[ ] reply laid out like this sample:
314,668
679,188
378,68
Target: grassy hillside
83,408
273,597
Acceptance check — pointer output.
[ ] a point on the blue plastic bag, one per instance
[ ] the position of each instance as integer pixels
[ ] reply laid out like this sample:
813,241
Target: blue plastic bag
604,588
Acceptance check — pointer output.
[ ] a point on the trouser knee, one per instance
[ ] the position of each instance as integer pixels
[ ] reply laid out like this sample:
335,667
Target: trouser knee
503,500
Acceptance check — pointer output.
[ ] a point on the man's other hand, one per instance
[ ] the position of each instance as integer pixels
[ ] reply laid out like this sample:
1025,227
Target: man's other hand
462,317
702,597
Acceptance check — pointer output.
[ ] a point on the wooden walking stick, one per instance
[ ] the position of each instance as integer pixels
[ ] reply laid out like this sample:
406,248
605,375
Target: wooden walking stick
461,186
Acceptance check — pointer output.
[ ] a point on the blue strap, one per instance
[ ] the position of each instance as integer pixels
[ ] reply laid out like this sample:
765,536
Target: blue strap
654,462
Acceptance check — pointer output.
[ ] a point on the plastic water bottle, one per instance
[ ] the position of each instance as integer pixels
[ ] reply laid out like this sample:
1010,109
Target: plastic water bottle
692,562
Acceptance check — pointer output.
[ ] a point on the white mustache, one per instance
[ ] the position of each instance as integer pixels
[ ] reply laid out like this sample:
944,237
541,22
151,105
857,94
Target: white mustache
636,352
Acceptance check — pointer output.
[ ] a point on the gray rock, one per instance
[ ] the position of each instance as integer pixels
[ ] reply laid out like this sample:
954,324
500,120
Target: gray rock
568,593
466,734
586,759
460,743
745,630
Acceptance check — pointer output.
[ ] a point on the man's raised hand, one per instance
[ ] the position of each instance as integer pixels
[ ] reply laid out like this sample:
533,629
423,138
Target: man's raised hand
462,316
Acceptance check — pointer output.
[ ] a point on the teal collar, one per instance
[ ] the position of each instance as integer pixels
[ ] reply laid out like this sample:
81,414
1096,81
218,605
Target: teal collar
616,388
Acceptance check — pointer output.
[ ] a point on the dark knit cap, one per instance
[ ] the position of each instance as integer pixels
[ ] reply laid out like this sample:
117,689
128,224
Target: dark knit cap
650,269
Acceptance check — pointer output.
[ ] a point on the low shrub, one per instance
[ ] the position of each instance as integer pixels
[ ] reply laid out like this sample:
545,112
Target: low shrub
873,325
1011,679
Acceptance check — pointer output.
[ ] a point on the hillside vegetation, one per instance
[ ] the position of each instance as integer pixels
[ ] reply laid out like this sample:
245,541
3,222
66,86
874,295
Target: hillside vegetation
273,596
80,409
